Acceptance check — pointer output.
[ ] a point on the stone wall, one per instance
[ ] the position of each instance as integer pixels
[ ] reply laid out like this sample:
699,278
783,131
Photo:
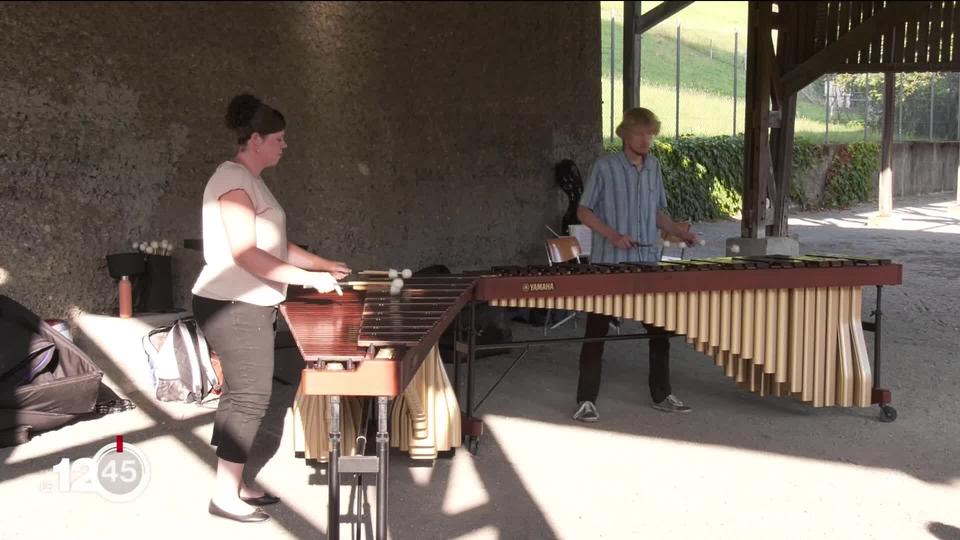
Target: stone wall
419,133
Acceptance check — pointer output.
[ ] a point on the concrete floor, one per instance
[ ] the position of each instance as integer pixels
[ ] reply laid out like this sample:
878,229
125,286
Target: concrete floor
738,467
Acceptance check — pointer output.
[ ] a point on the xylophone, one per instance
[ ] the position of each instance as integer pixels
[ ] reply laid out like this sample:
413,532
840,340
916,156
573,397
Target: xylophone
374,339
777,325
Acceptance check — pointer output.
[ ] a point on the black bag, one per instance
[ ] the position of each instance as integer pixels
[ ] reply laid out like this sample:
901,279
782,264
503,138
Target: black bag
568,177
155,286
45,387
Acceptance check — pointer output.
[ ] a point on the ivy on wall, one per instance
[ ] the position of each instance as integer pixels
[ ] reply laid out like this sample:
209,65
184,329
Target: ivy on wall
850,175
703,176
806,154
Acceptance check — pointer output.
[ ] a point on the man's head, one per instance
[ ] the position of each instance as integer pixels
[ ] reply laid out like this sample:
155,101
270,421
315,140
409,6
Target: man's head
637,129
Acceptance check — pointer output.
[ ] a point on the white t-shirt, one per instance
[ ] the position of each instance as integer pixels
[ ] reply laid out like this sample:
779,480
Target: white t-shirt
221,277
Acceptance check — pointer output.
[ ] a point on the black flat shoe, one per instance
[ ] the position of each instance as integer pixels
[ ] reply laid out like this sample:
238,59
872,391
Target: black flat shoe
255,516
262,500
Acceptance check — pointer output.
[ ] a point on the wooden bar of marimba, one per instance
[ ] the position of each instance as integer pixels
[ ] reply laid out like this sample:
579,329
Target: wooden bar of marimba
777,325
370,342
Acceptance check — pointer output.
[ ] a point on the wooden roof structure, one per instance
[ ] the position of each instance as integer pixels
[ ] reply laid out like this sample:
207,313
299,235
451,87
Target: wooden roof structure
812,38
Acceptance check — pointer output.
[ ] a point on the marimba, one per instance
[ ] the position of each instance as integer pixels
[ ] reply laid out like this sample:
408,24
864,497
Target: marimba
370,342
783,326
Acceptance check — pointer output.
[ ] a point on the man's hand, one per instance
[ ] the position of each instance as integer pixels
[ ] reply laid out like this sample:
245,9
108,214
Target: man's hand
689,237
339,270
624,241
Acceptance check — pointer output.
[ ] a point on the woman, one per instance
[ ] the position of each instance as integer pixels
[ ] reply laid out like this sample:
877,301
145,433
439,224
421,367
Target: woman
249,264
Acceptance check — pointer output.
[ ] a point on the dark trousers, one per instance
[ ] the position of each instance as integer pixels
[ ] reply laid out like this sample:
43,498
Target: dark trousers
591,361
242,335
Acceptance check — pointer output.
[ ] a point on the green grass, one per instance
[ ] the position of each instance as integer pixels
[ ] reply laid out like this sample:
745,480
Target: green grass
706,74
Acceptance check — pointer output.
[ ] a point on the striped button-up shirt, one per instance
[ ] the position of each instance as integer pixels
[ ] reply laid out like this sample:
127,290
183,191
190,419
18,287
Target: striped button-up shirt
626,198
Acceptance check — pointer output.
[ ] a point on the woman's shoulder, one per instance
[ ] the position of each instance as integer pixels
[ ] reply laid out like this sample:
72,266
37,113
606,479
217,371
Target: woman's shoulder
231,173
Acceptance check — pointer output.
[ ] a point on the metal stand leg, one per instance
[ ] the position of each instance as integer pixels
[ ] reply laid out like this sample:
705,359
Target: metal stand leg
880,396
472,427
333,471
362,451
457,340
471,355
383,448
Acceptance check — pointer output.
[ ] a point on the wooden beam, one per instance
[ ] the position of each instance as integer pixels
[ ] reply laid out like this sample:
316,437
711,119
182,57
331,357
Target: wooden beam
777,93
782,134
834,54
955,26
833,22
782,149
659,14
756,158
936,23
885,189
875,45
900,67
773,120
777,19
631,55
946,32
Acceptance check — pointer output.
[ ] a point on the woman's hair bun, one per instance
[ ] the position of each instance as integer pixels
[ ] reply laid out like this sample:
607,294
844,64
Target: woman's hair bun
241,110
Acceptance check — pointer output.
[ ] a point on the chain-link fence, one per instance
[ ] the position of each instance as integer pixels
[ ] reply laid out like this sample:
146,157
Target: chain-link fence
693,78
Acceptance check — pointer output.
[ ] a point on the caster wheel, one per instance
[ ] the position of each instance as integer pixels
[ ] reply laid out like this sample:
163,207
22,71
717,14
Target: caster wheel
887,413
473,445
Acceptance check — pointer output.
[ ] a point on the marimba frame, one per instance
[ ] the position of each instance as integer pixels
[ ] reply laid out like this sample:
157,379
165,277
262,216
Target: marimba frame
473,427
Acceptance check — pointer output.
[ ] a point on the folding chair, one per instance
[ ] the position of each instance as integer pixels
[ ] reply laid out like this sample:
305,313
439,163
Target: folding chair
560,250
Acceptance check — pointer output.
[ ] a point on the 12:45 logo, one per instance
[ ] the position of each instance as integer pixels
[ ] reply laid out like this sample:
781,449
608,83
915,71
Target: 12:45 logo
118,472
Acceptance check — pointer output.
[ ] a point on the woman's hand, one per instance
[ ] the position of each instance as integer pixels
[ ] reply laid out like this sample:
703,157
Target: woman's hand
340,270
321,281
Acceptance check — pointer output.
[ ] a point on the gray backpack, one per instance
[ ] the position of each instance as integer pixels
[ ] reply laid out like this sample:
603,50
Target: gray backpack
180,362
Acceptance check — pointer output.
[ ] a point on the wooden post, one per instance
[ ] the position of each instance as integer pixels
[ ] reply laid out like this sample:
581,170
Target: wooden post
781,137
613,76
631,55
885,189
736,67
756,163
677,103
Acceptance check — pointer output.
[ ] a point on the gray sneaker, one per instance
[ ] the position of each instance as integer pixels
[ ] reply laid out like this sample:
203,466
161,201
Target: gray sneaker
672,405
587,412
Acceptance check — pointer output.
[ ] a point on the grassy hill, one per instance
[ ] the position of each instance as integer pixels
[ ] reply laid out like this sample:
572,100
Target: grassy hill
706,73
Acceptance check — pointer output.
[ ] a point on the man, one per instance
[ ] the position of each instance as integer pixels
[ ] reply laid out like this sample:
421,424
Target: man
623,203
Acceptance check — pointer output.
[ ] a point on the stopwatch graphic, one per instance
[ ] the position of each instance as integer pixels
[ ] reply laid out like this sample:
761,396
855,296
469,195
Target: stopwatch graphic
118,472
122,471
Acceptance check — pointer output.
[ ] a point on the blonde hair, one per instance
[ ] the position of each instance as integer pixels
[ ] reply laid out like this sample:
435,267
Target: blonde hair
638,116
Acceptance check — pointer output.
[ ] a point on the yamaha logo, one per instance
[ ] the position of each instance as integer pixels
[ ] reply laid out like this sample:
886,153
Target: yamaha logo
539,286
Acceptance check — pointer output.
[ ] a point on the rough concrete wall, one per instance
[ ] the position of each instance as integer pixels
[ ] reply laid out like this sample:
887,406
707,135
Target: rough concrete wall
419,133
924,167
918,168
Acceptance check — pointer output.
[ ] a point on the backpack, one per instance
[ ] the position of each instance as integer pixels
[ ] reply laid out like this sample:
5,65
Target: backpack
180,362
